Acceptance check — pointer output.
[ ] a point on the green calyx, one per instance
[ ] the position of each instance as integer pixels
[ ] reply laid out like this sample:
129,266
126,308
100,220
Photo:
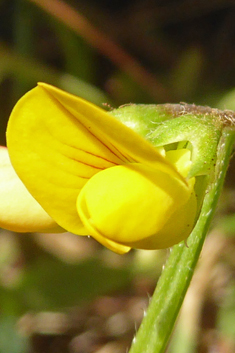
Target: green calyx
176,126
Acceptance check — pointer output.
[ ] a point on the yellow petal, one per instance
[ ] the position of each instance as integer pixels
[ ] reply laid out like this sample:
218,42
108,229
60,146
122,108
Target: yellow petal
110,131
129,203
19,211
111,245
177,228
58,141
181,159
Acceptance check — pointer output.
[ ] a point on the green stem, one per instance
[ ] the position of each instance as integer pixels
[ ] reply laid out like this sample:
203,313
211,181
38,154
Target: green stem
157,325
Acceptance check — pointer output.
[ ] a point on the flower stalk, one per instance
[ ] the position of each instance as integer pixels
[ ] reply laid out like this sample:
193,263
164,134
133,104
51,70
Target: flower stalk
157,325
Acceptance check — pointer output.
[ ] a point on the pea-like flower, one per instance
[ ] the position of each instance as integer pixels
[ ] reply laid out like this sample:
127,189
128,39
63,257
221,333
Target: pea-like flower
89,174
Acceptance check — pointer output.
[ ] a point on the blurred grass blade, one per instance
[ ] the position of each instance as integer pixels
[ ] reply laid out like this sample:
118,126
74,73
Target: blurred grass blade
105,45
31,71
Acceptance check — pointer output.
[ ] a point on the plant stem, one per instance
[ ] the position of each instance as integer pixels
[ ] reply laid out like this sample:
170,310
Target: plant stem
167,299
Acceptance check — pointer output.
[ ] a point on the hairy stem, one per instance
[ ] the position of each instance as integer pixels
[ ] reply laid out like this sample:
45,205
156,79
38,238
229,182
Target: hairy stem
166,302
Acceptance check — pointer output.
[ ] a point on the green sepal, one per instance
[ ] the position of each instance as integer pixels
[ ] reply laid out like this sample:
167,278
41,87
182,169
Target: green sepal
202,134
142,118
167,125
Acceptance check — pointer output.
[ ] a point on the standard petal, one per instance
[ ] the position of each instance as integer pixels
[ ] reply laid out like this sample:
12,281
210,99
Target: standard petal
58,141
54,155
19,211
114,134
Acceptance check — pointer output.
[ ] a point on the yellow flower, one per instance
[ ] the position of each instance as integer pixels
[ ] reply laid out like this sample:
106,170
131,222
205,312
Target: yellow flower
94,176
19,211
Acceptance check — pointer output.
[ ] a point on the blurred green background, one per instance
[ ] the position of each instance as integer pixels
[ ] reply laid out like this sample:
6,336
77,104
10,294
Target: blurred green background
62,293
